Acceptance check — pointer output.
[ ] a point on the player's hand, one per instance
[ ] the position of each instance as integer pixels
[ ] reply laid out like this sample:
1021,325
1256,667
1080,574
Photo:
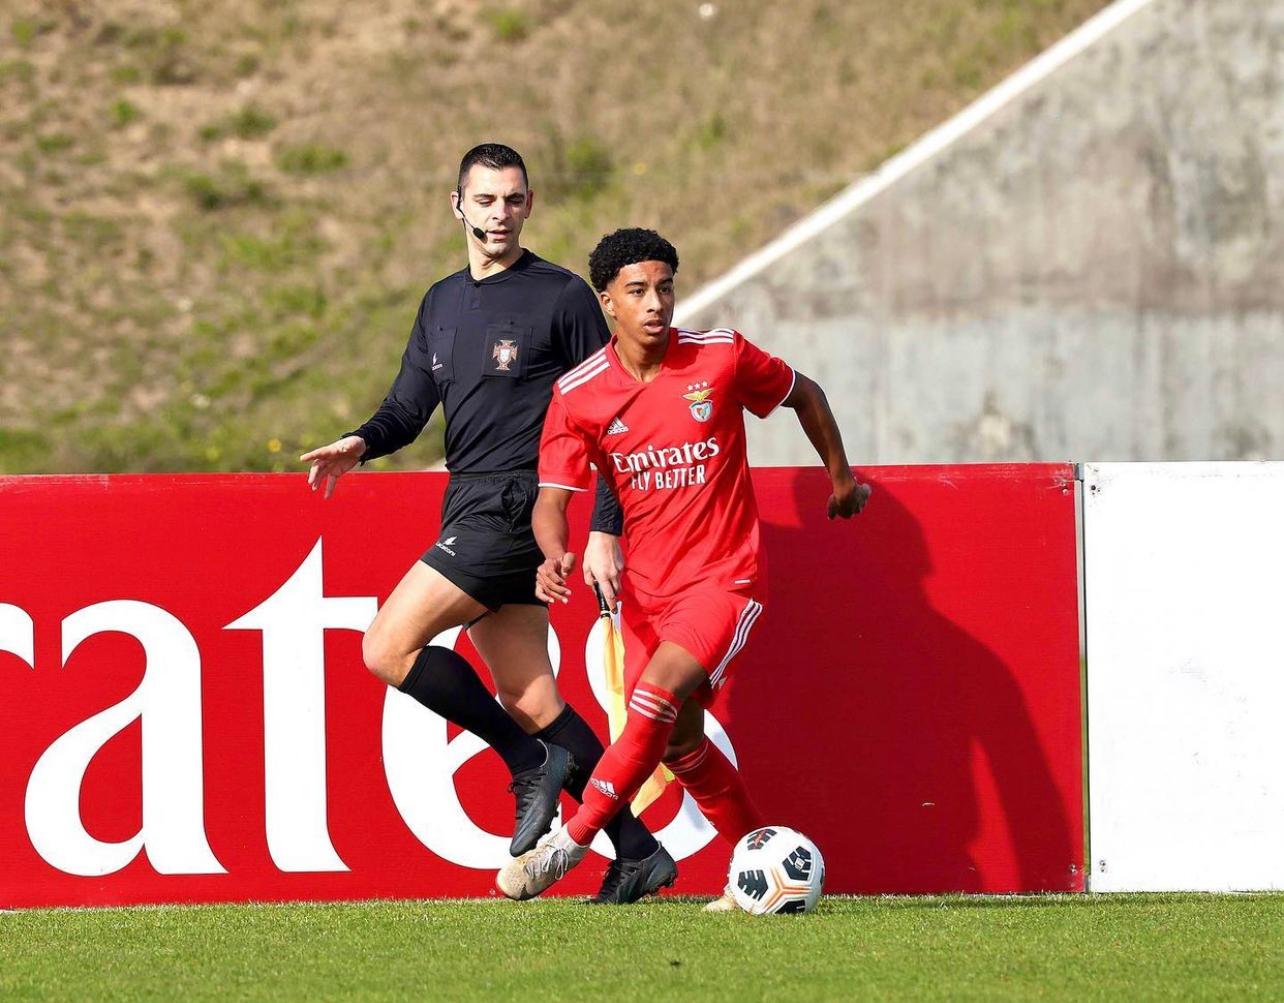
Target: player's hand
551,578
603,565
848,498
331,462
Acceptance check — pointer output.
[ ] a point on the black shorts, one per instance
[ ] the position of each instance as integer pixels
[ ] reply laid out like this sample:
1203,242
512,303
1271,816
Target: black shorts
486,546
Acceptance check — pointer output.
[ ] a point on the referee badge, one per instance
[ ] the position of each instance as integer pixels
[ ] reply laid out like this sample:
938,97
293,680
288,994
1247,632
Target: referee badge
504,352
698,394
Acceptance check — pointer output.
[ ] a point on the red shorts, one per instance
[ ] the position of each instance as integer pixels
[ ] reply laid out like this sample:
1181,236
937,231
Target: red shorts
710,623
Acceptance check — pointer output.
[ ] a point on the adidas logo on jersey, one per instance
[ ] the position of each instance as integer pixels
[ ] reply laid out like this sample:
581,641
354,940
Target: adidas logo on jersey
606,787
616,427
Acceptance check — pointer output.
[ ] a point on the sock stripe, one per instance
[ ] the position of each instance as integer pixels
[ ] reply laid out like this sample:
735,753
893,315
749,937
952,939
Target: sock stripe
659,706
655,698
665,717
651,700
652,706
691,760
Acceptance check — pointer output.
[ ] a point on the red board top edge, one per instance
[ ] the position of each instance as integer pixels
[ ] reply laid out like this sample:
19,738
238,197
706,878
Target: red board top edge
1022,471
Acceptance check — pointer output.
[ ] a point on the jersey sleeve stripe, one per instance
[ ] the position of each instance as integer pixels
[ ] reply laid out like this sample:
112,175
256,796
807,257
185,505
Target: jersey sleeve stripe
705,341
566,384
598,356
572,379
554,484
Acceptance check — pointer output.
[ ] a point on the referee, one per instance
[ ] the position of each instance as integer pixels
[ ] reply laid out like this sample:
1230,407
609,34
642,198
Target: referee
487,344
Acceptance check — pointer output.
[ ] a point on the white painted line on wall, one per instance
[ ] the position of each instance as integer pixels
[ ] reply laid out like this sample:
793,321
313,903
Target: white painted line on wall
914,155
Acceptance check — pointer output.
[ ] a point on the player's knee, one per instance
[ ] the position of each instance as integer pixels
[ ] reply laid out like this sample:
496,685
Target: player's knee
383,660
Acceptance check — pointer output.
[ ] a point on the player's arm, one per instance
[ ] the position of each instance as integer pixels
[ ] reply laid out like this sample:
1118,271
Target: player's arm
582,330
603,558
563,471
551,531
809,403
397,422
764,382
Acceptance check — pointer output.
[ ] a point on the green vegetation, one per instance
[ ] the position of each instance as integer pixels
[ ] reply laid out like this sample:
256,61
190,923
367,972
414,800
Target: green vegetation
215,228
508,23
124,113
16,69
24,32
233,185
581,169
311,158
126,75
164,50
251,122
54,142
951,948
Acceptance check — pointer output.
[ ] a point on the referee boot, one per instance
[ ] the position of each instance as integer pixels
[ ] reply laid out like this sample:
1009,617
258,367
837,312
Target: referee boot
626,881
537,792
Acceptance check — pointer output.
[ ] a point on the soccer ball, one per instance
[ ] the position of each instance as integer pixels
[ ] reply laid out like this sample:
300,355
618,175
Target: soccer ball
775,869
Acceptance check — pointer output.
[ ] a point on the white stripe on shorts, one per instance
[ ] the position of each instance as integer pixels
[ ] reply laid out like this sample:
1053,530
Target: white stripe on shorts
747,617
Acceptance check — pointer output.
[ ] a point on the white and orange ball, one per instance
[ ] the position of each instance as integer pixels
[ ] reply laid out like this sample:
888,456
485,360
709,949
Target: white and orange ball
776,869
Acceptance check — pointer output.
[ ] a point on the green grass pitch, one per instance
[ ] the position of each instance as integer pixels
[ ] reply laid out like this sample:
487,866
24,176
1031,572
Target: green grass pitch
1054,947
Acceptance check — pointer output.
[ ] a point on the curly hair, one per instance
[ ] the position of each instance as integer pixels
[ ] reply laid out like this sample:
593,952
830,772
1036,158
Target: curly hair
628,247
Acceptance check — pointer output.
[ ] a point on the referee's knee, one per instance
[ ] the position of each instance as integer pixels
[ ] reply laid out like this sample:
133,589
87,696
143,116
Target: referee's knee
384,661
533,706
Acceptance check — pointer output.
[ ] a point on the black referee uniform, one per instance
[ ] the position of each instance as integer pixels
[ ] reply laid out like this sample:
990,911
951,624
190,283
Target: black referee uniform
488,350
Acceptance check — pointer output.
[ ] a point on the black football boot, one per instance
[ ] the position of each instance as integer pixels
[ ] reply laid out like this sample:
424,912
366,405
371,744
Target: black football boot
629,880
537,792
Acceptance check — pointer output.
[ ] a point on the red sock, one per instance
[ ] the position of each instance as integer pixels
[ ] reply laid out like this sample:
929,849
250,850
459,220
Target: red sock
625,766
718,789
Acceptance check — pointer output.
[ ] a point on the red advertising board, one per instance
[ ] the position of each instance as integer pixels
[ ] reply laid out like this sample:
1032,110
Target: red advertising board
186,718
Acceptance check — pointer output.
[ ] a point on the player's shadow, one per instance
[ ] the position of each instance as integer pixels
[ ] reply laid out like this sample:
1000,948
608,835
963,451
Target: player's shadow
899,742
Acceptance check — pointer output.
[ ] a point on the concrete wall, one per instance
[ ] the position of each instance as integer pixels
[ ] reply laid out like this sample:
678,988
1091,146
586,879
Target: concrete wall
1095,270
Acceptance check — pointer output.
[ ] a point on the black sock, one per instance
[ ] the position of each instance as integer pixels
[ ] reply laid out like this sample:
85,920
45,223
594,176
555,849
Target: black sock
631,839
442,680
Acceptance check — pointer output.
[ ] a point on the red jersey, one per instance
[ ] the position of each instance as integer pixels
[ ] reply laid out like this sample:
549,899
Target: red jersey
674,452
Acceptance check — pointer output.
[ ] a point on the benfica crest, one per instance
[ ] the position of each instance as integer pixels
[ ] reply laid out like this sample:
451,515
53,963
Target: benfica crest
698,394
504,353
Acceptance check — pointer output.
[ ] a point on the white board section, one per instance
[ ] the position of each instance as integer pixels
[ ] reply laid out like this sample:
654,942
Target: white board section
1184,592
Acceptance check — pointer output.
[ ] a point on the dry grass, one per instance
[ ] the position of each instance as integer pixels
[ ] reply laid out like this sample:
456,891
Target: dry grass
216,218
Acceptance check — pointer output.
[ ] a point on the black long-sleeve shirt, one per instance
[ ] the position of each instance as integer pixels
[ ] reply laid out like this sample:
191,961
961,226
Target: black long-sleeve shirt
488,350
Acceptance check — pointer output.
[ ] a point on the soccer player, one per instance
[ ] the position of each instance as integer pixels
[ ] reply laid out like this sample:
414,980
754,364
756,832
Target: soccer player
660,412
487,344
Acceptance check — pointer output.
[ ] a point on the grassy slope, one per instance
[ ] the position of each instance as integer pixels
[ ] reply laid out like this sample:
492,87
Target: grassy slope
216,218
1121,947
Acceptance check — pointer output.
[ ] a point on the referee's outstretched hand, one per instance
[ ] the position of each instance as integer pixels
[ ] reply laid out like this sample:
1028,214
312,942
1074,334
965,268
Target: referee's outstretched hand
331,462
551,578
